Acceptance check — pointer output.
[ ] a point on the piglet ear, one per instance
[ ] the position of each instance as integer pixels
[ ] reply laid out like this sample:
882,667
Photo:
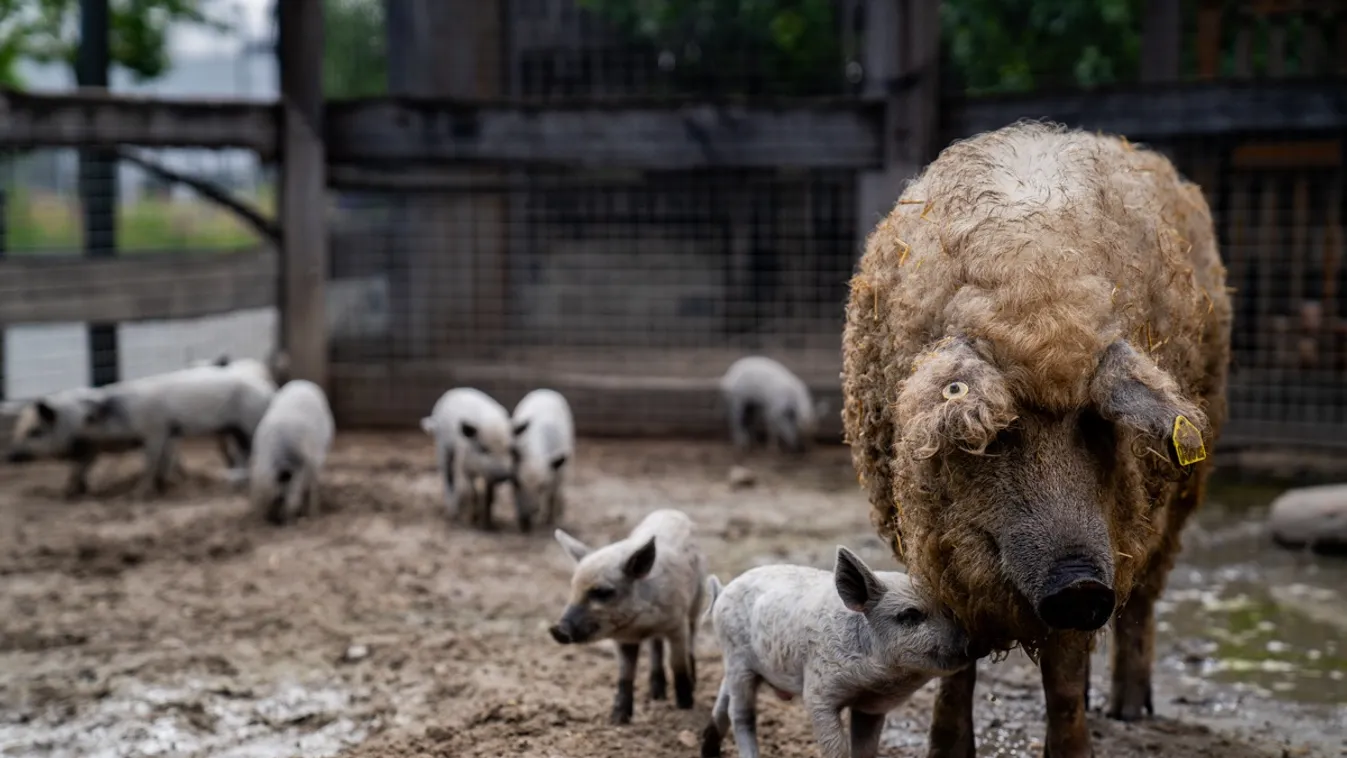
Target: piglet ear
857,585
1130,390
45,411
576,549
640,563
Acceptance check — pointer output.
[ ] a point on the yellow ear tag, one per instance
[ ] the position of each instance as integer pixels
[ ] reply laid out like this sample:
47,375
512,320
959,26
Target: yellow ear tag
1188,442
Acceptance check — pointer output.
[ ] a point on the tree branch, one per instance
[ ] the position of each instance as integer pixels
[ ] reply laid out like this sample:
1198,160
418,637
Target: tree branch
264,226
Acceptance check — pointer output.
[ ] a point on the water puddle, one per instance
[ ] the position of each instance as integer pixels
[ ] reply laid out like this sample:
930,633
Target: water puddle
1242,610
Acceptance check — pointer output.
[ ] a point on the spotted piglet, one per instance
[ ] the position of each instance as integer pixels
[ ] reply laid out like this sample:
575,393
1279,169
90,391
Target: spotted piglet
648,586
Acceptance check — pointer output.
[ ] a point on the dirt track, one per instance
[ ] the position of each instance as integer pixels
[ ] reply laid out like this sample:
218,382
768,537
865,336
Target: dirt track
185,627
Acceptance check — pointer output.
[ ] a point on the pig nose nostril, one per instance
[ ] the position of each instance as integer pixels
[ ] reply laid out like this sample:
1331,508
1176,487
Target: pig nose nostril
1083,604
559,634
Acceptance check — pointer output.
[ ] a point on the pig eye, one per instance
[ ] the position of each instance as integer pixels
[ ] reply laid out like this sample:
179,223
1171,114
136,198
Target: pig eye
955,390
602,594
910,617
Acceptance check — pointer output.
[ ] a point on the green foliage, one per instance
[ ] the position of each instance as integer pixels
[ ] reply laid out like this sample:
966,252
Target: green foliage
355,60
779,47
48,31
1018,45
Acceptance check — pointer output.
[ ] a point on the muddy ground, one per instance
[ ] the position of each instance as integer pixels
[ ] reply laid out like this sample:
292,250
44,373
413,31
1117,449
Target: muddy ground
186,627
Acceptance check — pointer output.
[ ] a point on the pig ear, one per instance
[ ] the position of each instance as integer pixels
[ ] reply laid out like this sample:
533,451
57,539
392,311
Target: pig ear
469,430
520,427
45,412
856,584
559,461
639,564
1130,390
576,549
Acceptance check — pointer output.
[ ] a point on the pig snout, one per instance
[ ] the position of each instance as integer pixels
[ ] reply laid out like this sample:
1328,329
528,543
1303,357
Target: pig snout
1076,595
575,627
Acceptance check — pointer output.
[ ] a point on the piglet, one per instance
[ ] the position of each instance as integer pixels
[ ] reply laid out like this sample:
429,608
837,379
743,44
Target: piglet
648,586
544,434
473,447
851,638
289,449
767,402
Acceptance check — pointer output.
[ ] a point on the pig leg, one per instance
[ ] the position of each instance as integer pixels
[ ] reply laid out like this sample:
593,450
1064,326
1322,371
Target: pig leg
659,684
1064,661
743,686
828,733
312,501
488,498
449,473
715,731
865,731
681,653
627,653
951,734
78,482
740,418
158,457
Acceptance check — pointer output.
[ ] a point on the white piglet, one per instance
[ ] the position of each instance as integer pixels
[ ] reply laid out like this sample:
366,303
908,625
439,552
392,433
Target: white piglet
648,586
64,426
544,445
158,410
851,639
289,449
234,456
767,403
473,444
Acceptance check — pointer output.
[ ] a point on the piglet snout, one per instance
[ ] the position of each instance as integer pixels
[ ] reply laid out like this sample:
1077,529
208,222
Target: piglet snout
559,634
1076,597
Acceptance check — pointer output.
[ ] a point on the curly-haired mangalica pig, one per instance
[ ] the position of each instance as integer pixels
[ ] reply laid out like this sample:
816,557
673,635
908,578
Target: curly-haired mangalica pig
648,586
1035,362
847,639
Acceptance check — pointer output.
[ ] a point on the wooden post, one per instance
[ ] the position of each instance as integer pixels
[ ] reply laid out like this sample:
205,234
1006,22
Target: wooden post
901,69
98,183
303,200
1161,32
449,288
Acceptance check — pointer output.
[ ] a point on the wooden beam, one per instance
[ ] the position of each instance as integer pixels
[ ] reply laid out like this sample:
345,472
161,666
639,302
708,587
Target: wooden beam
143,287
828,134
1288,155
303,191
1227,108
95,118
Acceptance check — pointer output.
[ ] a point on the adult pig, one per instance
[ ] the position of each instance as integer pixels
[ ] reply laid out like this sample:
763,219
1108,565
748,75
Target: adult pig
1035,360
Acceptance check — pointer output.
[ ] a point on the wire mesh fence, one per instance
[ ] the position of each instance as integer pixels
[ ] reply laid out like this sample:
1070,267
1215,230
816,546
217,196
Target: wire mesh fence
144,220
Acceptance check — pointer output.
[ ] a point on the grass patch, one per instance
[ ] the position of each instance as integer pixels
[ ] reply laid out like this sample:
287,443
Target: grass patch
37,223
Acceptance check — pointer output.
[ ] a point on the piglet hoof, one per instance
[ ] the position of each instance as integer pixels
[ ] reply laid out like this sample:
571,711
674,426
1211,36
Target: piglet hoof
659,686
622,704
711,741
683,691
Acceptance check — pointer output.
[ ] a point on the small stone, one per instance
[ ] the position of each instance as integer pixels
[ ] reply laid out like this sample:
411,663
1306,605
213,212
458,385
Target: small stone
687,738
356,653
741,477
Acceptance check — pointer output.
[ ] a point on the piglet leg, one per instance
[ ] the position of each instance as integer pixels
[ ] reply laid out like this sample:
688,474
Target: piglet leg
659,684
832,741
865,731
626,679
